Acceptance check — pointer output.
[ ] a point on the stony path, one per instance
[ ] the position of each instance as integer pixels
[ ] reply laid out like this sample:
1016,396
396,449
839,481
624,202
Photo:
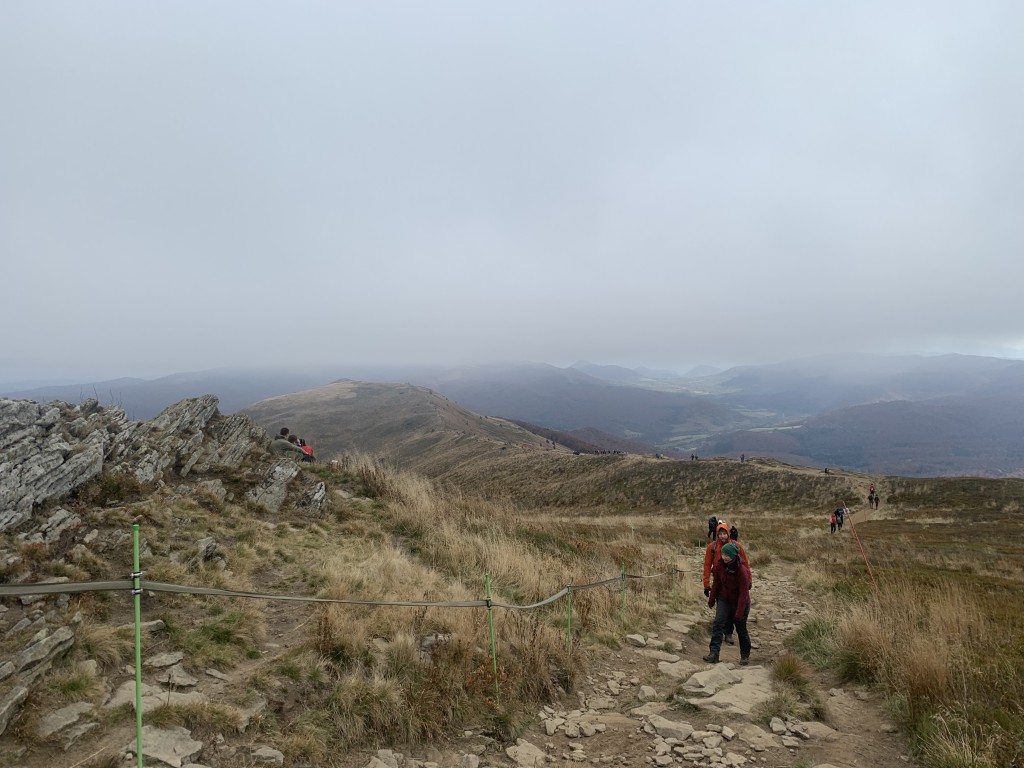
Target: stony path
656,703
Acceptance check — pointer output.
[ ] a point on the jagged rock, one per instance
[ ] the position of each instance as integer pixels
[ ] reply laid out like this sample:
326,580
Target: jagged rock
271,492
469,761
39,460
62,718
638,641
173,746
6,670
177,677
206,550
314,501
389,758
47,451
164,659
214,488
669,729
38,657
10,702
50,531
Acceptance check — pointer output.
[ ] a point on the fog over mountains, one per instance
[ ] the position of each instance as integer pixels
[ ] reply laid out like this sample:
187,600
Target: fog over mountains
911,415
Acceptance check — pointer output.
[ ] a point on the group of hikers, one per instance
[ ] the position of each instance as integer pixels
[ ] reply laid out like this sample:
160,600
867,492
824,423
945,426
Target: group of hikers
727,582
873,497
285,443
837,518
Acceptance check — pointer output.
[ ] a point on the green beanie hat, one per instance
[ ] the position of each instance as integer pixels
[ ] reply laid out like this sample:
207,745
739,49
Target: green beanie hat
730,550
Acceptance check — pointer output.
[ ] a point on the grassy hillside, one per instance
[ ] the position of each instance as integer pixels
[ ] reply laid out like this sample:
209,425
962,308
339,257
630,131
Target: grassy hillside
406,424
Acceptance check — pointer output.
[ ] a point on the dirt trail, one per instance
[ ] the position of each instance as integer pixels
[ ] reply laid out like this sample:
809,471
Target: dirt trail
858,734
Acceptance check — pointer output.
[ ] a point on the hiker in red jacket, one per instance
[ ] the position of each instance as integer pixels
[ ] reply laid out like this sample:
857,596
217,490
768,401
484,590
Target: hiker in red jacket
713,555
730,597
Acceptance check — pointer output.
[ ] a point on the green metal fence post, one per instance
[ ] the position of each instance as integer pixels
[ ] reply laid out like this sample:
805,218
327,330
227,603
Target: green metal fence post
494,651
568,621
622,610
675,590
137,594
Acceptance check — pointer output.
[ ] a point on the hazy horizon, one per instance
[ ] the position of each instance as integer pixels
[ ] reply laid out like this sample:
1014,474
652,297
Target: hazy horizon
185,187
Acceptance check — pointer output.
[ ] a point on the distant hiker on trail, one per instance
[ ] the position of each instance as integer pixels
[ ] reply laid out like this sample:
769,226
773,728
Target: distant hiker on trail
871,489
306,449
281,446
734,532
826,470
743,457
871,500
730,597
877,499
712,555
712,524
832,522
840,515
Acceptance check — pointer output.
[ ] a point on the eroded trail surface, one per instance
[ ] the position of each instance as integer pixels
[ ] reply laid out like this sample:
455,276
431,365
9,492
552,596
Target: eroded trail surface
656,702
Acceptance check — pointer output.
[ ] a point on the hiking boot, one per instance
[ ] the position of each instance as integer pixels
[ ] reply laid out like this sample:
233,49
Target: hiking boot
711,658
729,640
744,660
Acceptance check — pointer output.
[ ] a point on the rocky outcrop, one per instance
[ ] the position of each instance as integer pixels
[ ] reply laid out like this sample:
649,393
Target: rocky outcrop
47,451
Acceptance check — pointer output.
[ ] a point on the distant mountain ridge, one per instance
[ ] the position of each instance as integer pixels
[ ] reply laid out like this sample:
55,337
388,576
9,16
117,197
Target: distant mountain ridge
947,415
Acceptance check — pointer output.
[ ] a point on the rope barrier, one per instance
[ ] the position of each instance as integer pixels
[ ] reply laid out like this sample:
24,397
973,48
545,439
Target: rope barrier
74,587
863,554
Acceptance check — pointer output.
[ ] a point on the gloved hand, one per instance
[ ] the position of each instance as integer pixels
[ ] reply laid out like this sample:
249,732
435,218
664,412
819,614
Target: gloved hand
707,591
711,602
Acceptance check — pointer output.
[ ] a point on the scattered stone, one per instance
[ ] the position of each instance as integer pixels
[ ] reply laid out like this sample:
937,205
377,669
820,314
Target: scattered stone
647,693
267,756
62,718
173,746
164,659
638,641
215,674
526,754
668,729
177,677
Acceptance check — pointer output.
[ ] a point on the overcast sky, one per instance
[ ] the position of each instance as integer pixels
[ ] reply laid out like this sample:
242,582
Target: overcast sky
191,185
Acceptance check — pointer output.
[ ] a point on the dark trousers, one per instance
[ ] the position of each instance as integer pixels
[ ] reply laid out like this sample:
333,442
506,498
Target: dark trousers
725,613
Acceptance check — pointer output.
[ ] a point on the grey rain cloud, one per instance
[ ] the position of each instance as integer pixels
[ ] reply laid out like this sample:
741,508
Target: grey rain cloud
190,185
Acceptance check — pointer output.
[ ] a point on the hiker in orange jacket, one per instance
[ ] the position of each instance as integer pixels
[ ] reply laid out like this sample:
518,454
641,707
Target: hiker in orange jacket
712,555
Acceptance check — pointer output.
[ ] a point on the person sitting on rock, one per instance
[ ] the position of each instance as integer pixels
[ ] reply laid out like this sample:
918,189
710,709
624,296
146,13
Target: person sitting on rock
730,597
306,449
282,446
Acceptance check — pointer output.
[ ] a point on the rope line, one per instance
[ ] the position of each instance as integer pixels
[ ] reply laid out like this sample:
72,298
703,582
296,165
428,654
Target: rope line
863,554
74,587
